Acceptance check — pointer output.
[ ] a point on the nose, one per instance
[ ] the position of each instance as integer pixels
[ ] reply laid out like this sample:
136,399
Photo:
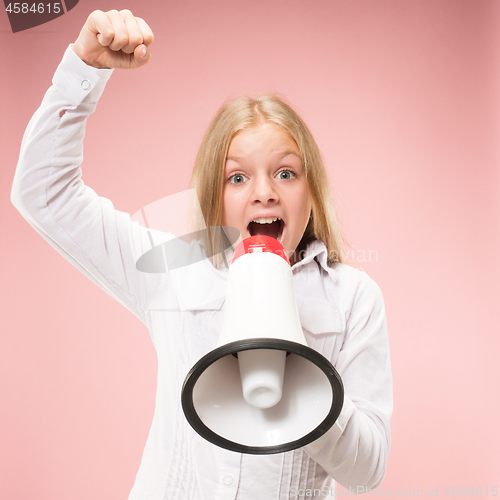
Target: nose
264,191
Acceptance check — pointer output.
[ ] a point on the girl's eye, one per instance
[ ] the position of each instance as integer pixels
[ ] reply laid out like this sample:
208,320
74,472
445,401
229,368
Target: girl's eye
237,179
286,175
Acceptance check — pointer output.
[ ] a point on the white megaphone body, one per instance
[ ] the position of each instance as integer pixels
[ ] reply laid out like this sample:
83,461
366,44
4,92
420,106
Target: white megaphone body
262,390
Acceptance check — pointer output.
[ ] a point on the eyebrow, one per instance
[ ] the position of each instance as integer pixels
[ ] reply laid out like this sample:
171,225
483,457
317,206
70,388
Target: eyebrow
282,154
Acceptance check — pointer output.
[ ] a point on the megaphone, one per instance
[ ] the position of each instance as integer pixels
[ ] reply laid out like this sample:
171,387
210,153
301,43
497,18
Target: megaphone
262,390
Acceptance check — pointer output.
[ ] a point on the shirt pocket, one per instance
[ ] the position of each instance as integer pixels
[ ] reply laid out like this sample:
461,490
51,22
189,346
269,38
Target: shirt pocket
319,316
323,325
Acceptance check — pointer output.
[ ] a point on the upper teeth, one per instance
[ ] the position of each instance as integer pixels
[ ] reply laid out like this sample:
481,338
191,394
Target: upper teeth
266,220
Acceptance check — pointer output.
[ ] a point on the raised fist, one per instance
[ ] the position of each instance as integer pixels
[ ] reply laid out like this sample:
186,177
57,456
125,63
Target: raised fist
114,40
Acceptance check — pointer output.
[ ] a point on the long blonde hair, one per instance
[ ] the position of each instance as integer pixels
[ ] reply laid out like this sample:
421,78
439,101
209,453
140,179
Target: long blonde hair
208,173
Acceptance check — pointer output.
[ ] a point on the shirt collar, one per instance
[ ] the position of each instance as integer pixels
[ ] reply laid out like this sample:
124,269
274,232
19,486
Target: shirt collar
316,251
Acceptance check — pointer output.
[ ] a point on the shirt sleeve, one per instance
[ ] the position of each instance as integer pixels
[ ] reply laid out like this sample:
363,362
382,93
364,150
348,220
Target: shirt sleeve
49,192
355,449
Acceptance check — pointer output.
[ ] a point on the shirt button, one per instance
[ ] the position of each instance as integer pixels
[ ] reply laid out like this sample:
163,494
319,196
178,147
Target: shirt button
228,480
86,85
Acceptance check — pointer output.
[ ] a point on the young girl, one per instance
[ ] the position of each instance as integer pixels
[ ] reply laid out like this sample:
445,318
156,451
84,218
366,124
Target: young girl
258,170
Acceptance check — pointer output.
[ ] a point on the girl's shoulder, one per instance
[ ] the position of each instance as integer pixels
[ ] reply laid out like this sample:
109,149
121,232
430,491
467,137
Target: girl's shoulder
355,284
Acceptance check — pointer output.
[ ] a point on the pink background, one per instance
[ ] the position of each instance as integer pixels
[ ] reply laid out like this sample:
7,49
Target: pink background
403,98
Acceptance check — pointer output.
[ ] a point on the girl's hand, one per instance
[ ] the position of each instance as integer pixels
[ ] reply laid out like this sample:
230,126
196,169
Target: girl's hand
114,40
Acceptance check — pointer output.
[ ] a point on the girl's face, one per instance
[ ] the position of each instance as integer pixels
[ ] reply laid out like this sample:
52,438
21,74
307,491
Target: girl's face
265,188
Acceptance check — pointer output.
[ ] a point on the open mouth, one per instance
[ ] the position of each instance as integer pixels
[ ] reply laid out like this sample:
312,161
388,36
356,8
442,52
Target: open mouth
267,226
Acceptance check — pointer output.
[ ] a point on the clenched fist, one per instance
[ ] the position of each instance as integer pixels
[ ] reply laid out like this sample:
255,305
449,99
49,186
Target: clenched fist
114,40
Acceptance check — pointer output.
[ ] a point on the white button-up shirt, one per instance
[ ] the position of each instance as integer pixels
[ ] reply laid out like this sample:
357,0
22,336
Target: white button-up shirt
341,311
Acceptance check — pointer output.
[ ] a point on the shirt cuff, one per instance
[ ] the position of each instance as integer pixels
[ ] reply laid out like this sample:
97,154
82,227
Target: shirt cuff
77,80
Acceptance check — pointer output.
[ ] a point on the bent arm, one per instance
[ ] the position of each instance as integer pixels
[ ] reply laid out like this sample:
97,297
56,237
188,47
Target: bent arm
49,192
355,450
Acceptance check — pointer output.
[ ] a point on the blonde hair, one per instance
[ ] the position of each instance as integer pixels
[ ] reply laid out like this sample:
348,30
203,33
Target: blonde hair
208,173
